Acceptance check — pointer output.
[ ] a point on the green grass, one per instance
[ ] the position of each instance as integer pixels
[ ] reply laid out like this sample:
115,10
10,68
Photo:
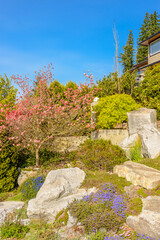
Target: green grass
97,178
17,197
154,163
134,206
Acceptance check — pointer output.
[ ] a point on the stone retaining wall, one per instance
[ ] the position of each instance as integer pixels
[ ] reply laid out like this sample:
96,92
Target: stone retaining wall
115,135
68,144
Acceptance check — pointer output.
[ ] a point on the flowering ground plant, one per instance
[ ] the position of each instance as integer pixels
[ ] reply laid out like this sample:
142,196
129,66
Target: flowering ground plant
31,186
105,208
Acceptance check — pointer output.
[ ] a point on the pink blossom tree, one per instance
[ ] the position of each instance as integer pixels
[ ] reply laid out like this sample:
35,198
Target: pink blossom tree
39,116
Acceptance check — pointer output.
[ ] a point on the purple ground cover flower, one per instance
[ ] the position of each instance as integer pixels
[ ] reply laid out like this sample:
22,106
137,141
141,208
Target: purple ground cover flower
30,188
108,195
138,237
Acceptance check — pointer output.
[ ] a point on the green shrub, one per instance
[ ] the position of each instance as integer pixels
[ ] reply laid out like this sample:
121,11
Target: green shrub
31,186
13,230
136,151
148,91
100,154
113,109
9,160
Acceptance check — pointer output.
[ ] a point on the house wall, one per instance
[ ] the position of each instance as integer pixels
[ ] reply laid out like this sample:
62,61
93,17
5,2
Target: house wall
154,58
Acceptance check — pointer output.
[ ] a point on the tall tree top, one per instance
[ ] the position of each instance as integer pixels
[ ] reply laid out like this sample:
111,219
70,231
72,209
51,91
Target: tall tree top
128,53
150,26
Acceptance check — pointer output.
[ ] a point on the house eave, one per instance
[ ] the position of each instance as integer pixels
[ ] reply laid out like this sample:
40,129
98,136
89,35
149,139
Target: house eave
147,41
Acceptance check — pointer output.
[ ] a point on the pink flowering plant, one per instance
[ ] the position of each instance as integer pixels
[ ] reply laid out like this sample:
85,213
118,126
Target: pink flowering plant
40,115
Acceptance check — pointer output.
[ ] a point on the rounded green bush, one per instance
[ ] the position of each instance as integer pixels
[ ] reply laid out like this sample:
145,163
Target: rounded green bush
113,109
31,186
100,154
9,159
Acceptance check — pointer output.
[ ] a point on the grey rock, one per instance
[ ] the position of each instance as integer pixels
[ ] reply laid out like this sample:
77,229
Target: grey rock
131,191
24,175
8,207
138,174
60,188
148,221
150,139
137,119
129,143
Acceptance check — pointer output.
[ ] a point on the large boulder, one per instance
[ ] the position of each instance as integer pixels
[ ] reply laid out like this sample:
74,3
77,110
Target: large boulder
129,144
138,174
148,221
8,207
137,119
60,188
143,123
150,139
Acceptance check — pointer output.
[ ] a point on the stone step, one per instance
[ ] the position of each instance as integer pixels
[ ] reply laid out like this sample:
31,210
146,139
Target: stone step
138,174
148,221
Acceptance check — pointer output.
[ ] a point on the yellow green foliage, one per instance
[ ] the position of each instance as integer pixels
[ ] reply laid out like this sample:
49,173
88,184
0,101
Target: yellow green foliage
113,109
8,168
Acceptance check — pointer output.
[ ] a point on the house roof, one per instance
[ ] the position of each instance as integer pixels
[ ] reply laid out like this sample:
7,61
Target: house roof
141,64
150,39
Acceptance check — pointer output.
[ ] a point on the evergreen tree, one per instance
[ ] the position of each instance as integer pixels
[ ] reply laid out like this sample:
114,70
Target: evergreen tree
7,92
127,55
154,23
108,85
150,25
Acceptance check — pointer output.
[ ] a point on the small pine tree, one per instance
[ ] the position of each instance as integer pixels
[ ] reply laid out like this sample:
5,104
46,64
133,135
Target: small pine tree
127,55
107,84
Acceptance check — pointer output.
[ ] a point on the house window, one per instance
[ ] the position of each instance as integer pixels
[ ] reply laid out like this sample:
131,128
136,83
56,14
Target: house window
155,47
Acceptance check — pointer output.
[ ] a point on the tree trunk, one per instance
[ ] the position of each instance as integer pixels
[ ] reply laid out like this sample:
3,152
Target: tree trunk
37,157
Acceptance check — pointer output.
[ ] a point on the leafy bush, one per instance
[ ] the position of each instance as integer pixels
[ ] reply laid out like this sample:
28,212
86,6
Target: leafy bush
102,209
9,160
13,230
100,154
113,109
31,186
148,91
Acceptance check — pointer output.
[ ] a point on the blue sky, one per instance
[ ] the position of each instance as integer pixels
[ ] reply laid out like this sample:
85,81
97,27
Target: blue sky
75,35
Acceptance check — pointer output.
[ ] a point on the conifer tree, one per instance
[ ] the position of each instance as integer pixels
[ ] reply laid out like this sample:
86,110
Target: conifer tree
7,91
127,55
150,25
154,23
107,84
